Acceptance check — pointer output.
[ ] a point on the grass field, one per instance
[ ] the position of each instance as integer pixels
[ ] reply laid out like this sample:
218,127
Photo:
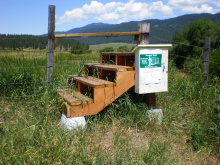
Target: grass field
115,46
30,131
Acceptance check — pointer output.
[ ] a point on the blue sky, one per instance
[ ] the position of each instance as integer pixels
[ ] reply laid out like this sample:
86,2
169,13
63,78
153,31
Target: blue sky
31,16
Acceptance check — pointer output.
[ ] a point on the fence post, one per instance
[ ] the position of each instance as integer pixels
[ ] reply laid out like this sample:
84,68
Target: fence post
50,46
207,47
144,28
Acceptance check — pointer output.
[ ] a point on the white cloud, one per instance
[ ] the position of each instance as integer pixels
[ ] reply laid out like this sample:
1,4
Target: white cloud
217,3
108,17
96,8
195,6
203,9
160,7
116,11
73,15
185,3
140,11
133,10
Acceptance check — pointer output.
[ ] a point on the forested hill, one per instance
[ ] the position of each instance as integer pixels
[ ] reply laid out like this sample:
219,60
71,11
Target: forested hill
163,29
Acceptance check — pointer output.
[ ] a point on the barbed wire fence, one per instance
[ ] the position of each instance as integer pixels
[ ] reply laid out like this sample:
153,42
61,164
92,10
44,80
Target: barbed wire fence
14,84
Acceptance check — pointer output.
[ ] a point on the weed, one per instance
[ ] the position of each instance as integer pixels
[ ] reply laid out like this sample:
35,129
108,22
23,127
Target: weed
30,132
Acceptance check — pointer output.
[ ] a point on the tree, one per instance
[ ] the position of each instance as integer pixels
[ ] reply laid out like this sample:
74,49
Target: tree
123,49
77,49
190,40
107,49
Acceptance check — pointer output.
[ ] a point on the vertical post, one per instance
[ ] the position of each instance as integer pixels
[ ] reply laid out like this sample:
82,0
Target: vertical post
50,46
207,47
144,28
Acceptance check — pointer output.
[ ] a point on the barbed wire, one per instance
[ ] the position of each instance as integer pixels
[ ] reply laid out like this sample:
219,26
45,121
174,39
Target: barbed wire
26,37
34,82
214,62
13,97
17,68
175,42
189,58
187,71
98,50
199,73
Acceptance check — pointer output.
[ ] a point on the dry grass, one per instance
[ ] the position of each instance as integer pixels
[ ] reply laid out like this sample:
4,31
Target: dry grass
30,132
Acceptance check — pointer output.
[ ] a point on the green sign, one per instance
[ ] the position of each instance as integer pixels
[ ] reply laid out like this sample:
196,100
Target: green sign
150,60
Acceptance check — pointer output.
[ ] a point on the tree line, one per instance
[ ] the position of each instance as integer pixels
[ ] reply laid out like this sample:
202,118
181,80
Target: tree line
19,42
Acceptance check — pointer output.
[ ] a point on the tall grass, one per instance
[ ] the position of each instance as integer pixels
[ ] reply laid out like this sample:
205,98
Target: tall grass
30,131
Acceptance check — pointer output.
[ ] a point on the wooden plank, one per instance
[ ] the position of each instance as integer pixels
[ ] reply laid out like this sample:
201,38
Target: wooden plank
118,68
207,47
50,46
151,100
73,97
144,29
118,54
97,34
104,96
107,83
92,81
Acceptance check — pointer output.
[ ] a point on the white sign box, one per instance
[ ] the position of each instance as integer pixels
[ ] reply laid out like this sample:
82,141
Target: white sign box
151,68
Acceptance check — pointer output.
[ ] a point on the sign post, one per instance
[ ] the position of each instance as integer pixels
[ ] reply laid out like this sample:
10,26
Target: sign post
151,68
151,74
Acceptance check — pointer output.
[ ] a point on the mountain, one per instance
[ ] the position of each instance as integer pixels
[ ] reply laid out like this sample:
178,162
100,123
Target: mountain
88,27
84,28
161,31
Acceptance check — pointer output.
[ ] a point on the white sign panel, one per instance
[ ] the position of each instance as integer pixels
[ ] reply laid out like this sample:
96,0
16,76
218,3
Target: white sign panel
150,67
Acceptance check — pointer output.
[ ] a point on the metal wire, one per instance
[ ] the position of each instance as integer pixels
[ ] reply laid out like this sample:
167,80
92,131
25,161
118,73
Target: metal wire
64,80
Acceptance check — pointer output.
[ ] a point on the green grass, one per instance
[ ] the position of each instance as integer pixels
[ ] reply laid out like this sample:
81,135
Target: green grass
30,131
115,46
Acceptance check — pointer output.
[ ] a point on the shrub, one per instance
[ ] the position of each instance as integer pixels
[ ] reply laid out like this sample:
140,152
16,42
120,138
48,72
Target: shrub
77,49
107,49
123,49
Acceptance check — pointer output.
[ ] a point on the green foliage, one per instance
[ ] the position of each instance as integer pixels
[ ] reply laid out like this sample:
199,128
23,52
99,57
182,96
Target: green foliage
191,40
156,153
80,48
13,42
107,49
214,65
123,49
30,131
77,49
18,42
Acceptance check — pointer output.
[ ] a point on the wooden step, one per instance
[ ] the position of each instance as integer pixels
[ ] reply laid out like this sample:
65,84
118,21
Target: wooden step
118,68
102,97
73,97
92,81
118,58
118,54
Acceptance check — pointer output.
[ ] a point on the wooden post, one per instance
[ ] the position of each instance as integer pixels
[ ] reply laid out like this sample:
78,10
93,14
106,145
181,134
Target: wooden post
144,29
207,47
50,46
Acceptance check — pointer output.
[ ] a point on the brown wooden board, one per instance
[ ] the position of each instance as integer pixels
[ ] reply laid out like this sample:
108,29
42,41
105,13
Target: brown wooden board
118,54
104,96
118,68
73,97
92,81
97,34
